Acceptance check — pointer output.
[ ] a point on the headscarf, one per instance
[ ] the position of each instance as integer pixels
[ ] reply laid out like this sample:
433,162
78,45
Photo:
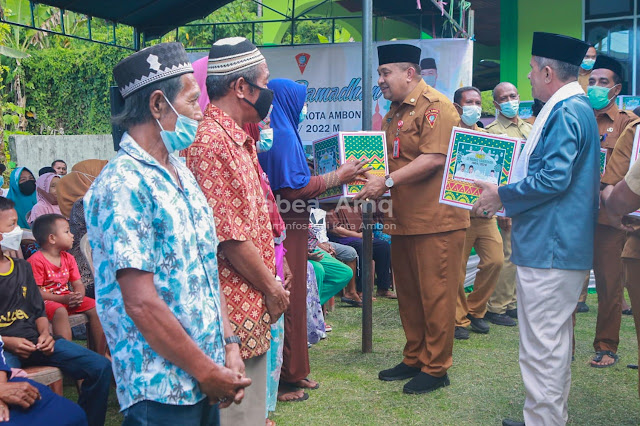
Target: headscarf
75,184
24,203
285,163
47,203
200,73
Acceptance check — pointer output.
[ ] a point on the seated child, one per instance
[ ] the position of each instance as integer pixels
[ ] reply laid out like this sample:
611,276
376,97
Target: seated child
25,330
54,270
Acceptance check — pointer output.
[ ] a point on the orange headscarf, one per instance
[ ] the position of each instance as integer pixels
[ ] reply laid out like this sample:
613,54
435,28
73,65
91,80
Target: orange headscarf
74,185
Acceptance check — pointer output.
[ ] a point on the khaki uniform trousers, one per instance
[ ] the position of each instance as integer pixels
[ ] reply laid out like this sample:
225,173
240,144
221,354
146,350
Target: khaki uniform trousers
585,290
483,234
504,294
427,274
631,269
607,268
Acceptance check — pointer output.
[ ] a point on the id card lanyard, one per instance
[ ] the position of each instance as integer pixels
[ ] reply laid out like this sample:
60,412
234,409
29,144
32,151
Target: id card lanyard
396,140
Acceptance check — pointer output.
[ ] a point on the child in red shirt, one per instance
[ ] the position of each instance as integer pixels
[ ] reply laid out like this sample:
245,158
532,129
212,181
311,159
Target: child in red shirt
54,271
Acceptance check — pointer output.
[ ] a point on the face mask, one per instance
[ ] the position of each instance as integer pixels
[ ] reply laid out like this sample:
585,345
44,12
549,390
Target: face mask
599,96
182,136
11,240
471,114
27,187
430,80
510,108
588,64
266,140
263,103
303,114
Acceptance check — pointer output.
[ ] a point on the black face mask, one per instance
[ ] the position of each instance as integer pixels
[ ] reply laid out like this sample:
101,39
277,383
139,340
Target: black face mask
28,187
263,104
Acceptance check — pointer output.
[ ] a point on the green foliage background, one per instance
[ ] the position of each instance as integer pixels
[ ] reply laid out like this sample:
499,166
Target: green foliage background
65,82
71,89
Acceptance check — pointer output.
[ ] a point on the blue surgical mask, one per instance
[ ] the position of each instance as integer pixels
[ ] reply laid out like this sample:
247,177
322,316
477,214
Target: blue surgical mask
471,114
510,108
183,135
430,80
303,114
266,140
587,64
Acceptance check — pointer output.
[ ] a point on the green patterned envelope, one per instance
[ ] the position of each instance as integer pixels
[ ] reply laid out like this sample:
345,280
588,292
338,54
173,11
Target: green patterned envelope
475,155
330,152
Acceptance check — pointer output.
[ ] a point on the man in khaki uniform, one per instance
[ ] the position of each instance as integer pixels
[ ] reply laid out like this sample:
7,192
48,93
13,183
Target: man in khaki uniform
604,87
483,235
427,237
619,200
586,67
501,308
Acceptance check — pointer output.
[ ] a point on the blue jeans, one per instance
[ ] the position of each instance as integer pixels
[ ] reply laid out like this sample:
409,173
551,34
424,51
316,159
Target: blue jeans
154,413
46,409
77,362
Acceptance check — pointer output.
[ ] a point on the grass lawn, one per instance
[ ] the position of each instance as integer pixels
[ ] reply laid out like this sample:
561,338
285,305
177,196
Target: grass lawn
485,379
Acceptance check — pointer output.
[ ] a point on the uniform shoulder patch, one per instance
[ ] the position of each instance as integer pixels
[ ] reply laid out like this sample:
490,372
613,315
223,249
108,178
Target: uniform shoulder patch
432,115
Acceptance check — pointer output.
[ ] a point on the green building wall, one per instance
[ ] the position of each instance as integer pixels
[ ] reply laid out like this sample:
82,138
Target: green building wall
518,21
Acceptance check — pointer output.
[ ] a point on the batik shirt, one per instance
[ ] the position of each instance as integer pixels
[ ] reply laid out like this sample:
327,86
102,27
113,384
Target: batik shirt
224,161
139,217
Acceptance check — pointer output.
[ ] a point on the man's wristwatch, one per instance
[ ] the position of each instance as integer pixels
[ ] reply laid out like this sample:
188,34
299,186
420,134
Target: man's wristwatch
388,181
232,339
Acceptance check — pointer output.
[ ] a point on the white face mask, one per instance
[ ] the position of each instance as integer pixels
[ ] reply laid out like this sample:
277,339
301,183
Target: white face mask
11,240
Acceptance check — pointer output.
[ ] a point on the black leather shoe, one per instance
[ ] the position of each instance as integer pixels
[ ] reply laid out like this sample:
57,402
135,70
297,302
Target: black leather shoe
461,333
500,319
399,372
582,307
513,313
479,325
508,422
425,383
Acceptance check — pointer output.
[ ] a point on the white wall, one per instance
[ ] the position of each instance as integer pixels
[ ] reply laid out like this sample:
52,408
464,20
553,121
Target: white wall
35,152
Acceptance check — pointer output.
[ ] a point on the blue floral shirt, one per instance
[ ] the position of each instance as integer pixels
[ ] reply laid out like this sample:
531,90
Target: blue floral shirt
138,217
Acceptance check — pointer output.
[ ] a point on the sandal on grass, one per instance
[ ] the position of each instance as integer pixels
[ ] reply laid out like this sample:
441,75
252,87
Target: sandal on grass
598,358
303,384
351,302
289,394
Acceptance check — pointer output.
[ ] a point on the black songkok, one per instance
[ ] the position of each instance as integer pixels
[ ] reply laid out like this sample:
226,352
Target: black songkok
395,53
150,65
608,63
233,54
428,64
559,47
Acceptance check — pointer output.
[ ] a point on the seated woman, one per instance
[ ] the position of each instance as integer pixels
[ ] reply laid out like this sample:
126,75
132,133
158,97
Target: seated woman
71,190
345,227
22,190
46,196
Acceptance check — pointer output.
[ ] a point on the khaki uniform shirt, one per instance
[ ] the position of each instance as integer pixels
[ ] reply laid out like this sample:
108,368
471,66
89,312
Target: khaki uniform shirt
428,118
618,162
503,126
611,122
583,80
633,177
617,168
632,247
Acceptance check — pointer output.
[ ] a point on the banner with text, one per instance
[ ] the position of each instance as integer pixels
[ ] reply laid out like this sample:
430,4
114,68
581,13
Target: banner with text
332,74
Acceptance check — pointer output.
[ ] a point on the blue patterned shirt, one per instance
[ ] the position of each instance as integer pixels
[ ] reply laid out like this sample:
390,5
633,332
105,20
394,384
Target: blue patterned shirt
138,217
